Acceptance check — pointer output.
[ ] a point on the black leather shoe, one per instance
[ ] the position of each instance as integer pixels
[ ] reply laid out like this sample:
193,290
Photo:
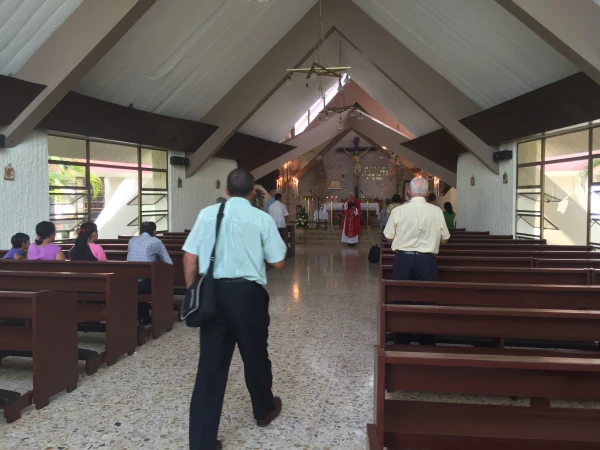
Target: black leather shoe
272,415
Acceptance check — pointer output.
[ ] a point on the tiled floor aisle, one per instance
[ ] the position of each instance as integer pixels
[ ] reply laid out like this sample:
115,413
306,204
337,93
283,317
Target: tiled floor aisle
323,328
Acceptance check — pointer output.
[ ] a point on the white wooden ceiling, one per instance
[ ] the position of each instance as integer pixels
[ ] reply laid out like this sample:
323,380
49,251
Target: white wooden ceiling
475,44
24,27
183,56
283,109
384,92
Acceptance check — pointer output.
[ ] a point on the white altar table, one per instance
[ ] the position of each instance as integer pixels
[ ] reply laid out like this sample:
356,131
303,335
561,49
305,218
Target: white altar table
363,207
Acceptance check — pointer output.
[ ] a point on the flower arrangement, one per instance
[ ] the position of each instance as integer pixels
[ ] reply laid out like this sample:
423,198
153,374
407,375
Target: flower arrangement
302,219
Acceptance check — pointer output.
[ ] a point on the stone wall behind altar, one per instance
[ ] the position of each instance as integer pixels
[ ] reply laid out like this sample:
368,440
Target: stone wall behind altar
338,164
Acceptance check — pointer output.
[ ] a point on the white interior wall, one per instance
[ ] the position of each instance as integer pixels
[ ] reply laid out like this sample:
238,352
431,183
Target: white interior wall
24,202
490,204
196,192
449,197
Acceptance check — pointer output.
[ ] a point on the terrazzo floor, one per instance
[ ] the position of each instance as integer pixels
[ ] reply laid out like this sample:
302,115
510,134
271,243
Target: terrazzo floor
323,328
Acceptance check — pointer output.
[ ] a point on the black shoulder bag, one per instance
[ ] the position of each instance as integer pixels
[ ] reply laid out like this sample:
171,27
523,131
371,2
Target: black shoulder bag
200,301
374,254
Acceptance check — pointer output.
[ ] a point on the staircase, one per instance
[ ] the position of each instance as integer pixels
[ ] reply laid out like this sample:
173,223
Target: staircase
333,236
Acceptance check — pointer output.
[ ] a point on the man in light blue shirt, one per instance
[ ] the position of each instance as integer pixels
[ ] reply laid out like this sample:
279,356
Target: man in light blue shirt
248,237
269,202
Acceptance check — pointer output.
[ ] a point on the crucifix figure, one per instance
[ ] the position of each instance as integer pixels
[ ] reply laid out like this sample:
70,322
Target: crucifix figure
356,155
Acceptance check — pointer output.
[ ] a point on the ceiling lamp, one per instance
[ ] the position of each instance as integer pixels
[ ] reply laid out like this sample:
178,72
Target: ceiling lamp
340,124
360,116
319,65
339,104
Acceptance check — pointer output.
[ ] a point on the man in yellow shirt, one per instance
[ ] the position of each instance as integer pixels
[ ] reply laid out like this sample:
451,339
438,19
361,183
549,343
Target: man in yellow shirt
416,230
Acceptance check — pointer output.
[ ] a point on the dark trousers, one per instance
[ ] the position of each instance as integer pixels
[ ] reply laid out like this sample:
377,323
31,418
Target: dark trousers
417,267
242,319
144,287
284,237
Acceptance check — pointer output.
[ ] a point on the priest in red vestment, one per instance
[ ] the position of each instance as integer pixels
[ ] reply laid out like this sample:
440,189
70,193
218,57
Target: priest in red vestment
351,228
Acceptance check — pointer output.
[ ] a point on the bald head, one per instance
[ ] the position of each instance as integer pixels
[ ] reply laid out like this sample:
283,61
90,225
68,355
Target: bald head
419,187
240,183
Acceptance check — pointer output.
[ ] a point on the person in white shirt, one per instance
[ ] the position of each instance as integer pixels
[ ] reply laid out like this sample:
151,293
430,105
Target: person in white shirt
278,212
416,230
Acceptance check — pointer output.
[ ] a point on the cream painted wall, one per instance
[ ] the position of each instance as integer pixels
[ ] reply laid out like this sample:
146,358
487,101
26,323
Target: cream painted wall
490,204
24,201
449,197
197,192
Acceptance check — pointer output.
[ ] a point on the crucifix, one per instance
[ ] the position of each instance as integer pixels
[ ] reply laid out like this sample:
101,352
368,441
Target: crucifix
356,155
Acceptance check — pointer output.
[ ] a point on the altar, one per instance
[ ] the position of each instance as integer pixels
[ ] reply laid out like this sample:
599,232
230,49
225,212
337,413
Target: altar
363,207
336,218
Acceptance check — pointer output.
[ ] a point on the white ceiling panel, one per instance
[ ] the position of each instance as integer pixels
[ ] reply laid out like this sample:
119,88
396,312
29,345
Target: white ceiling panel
284,108
25,25
183,56
475,44
384,92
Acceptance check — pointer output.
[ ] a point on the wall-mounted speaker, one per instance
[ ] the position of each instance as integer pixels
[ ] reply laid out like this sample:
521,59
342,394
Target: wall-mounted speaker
503,155
179,161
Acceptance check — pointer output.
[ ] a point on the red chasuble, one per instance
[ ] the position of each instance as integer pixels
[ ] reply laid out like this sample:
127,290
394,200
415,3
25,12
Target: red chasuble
351,224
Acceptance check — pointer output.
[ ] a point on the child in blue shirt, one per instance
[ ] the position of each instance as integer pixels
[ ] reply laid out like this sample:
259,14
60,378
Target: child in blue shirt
20,244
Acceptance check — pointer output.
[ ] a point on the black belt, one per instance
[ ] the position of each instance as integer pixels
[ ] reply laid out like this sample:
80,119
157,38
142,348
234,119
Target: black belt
412,253
234,280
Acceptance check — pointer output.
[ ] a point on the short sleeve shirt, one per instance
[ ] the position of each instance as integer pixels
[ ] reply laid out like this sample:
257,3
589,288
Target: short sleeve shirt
278,211
416,226
247,238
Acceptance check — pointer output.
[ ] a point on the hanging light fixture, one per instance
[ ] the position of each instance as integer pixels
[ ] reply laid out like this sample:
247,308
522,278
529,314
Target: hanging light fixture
320,66
320,119
339,104
288,81
360,116
320,91
340,124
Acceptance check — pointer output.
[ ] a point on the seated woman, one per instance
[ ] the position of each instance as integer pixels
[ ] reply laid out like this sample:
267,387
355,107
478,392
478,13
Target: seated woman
43,247
449,216
85,248
20,244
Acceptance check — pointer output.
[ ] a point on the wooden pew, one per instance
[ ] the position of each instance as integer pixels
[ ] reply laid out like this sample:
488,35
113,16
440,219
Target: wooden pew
102,297
455,247
472,233
505,295
436,425
160,274
454,240
478,274
387,244
459,261
568,263
50,336
526,253
508,311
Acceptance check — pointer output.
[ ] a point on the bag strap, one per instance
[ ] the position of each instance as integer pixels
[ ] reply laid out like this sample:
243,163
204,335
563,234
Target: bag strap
214,250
